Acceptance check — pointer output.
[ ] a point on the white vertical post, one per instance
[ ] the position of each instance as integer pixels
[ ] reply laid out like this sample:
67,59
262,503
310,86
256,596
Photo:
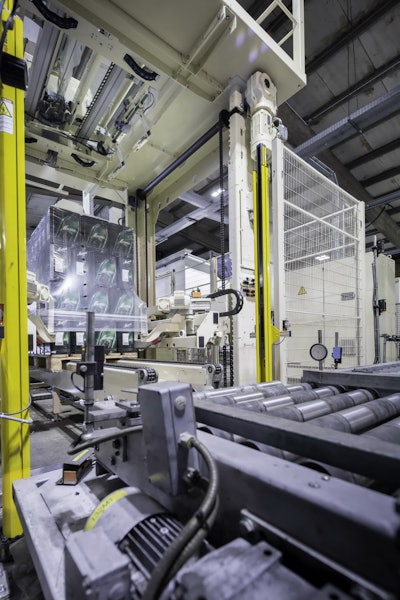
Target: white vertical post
361,285
278,257
241,245
87,202
298,35
115,215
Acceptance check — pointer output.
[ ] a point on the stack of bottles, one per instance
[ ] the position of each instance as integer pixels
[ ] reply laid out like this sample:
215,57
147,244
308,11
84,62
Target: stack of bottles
88,264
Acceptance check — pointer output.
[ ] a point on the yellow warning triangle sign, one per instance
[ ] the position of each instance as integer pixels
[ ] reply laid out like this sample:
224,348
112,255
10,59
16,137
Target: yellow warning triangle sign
4,110
302,291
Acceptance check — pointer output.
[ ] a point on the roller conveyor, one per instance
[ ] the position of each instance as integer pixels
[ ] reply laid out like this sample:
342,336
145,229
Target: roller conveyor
266,396
360,418
314,394
316,408
389,432
272,388
355,420
352,411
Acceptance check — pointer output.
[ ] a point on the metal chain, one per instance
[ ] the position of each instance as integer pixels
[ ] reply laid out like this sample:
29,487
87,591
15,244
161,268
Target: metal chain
224,365
222,232
222,201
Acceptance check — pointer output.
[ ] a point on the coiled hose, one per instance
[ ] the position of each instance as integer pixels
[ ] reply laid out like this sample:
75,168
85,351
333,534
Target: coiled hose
195,530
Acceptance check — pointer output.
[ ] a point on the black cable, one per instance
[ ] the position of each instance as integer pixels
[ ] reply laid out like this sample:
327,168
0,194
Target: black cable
152,101
141,72
2,3
99,437
18,412
99,148
53,17
73,382
7,26
195,542
81,162
191,535
96,147
369,223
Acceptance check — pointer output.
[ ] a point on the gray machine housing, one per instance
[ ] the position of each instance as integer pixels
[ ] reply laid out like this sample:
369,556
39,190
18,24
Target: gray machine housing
305,533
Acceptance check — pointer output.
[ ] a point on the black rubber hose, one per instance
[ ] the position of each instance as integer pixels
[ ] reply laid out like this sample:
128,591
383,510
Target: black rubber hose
6,26
73,382
61,22
141,72
165,568
195,542
99,437
81,162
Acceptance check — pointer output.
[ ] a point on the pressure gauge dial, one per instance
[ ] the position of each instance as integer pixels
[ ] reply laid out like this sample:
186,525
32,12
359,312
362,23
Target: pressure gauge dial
318,352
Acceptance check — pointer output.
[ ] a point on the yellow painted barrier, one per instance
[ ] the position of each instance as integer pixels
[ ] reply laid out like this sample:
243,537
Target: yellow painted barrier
14,374
266,333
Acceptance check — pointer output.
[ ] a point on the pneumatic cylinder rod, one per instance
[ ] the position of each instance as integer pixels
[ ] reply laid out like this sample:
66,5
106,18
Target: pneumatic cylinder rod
89,376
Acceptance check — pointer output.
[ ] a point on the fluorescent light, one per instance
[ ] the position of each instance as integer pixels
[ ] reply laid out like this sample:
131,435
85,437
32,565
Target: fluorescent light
322,257
216,193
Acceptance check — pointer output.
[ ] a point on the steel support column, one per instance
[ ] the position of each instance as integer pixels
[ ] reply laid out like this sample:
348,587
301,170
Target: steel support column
143,220
241,246
14,379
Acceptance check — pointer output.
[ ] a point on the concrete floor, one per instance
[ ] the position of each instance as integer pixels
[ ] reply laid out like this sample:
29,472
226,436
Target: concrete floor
52,435
50,438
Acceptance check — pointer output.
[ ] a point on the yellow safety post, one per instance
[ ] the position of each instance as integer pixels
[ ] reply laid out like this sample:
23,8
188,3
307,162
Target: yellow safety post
266,333
14,375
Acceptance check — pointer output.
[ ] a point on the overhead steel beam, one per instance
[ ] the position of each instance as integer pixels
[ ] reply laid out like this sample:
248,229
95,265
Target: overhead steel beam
353,90
257,8
210,241
355,31
381,151
386,199
381,176
393,211
362,119
193,217
195,199
394,252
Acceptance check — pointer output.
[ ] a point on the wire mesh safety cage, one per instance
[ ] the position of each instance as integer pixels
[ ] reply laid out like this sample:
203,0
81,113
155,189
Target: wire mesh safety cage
397,318
322,263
